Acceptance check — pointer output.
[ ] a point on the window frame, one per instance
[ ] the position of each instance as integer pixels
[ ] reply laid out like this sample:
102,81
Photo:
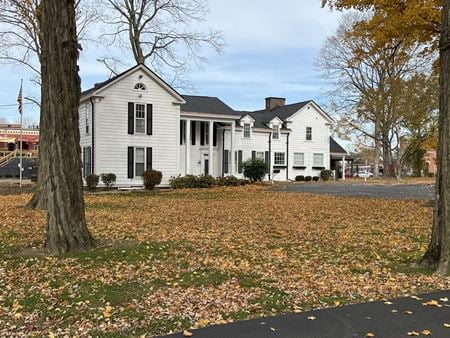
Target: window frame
260,155
142,89
136,162
314,160
140,118
249,125
297,164
276,128
308,134
276,161
87,119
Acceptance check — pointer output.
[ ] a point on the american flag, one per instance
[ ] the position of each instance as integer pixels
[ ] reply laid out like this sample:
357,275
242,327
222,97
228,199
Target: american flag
19,99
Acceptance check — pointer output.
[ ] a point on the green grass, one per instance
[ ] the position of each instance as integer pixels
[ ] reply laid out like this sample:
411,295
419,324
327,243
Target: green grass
273,300
201,277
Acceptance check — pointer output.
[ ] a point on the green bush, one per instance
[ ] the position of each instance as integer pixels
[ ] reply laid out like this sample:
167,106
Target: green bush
151,179
299,178
308,178
228,181
254,170
109,180
192,181
315,178
91,181
326,175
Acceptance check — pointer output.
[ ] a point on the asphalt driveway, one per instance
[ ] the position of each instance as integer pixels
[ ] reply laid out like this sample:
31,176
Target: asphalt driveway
395,191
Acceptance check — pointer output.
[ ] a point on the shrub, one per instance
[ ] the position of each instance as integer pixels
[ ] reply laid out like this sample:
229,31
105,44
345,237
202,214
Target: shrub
299,178
192,181
205,181
315,178
151,179
254,170
308,178
326,175
229,181
91,181
108,180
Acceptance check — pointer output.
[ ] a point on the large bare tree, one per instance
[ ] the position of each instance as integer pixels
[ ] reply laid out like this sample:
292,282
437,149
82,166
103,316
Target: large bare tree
60,151
20,45
160,33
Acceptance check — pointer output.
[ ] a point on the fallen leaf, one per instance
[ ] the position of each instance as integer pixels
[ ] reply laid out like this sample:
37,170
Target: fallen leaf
272,329
445,299
394,311
370,334
388,303
432,303
413,333
312,318
186,333
426,332
447,325
408,312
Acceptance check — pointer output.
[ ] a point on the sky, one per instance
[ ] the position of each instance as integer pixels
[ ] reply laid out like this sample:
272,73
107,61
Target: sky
271,47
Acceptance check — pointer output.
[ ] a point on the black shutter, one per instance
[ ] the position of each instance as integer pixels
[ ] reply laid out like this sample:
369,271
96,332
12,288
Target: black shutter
253,155
84,162
193,134
130,118
181,131
266,159
214,134
240,161
149,119
202,133
149,158
225,161
130,162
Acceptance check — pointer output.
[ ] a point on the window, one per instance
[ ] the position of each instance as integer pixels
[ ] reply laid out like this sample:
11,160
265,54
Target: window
87,161
276,132
247,130
299,159
260,155
207,133
140,118
308,133
236,160
140,86
318,160
139,161
279,158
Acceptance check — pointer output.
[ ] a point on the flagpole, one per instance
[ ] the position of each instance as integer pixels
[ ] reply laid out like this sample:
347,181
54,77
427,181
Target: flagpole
21,133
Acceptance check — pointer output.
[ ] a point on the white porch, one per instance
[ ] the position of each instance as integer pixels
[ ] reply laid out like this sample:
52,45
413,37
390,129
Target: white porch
203,145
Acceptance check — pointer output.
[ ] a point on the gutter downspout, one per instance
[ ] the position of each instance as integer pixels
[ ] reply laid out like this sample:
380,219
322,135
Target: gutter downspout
287,157
270,156
223,153
93,135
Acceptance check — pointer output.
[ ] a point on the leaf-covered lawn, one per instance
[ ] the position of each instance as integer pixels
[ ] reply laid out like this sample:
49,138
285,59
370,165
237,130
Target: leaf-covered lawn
195,258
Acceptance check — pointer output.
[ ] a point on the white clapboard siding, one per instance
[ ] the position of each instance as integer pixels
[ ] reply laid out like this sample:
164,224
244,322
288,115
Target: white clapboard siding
111,130
308,116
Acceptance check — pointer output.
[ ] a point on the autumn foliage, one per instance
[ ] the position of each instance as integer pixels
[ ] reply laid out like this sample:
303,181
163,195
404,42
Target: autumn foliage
191,258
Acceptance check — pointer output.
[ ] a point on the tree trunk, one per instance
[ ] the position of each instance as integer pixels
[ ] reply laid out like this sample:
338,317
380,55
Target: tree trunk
386,156
376,160
61,153
438,253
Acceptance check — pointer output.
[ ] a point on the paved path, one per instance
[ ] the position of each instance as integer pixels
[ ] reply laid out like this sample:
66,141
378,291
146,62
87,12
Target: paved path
349,321
398,191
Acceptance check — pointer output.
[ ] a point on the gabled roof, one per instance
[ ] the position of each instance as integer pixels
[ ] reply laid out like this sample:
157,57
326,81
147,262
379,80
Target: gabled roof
263,117
206,104
102,85
336,148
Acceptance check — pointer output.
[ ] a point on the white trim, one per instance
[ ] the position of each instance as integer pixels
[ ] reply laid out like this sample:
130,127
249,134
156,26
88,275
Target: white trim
316,106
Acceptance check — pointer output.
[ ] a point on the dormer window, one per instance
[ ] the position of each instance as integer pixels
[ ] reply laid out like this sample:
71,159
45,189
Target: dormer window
276,132
247,130
140,86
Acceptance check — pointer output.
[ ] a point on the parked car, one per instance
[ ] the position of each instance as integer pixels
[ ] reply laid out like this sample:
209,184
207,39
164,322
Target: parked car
364,174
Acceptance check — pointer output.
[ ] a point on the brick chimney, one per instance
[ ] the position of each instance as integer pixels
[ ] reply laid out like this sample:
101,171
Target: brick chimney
274,102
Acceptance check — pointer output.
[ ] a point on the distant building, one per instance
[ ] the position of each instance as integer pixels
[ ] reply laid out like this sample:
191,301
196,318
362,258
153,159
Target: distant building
430,161
10,138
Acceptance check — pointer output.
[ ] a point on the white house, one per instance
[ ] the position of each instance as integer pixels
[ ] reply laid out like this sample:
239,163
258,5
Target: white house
136,121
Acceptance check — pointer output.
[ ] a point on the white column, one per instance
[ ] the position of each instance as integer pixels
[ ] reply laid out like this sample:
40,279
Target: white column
343,168
188,147
211,141
232,136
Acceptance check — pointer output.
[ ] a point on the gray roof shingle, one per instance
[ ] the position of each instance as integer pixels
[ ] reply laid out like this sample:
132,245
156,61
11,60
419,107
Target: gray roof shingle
336,148
263,117
206,104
